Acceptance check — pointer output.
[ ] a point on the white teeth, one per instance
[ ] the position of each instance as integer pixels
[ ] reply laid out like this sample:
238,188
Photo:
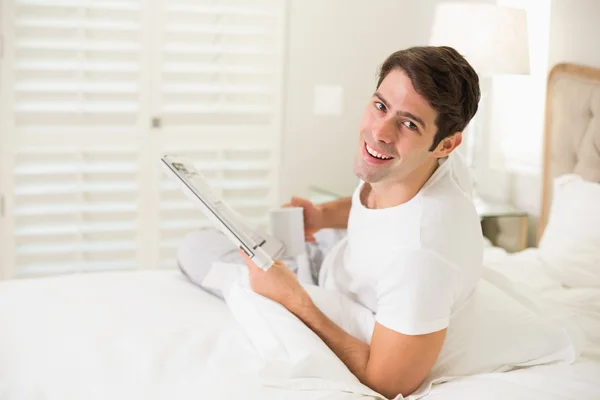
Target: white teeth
376,154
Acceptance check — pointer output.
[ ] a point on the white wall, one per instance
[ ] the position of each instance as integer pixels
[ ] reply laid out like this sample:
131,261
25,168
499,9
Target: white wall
340,42
575,32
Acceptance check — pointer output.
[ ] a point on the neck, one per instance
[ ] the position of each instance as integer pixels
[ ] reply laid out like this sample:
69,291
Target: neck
394,193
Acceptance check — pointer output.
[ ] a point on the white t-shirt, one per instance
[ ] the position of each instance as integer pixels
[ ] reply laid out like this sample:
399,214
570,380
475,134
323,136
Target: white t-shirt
415,263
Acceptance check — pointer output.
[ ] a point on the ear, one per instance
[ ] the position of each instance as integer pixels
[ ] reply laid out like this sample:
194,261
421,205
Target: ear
447,146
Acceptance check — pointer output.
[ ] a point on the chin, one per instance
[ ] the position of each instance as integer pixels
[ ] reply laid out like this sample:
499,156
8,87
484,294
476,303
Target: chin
359,167
364,176
368,173
358,173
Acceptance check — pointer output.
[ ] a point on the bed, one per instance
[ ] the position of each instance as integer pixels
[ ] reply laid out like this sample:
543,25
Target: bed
152,334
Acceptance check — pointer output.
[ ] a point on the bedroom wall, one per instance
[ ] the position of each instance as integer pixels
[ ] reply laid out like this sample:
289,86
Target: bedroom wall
575,29
338,42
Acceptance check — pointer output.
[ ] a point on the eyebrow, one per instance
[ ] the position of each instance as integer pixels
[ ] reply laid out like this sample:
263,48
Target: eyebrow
402,113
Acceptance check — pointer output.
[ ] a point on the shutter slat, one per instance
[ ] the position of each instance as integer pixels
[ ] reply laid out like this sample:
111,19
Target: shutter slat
232,165
215,89
69,208
229,184
191,48
76,229
235,203
186,224
218,10
218,30
42,269
217,109
77,66
66,188
44,169
79,45
112,26
75,87
69,248
74,107
98,5
195,68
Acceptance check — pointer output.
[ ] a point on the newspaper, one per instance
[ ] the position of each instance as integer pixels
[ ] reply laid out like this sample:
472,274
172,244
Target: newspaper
259,246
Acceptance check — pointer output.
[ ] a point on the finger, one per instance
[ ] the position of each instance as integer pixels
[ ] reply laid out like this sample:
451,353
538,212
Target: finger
310,239
300,202
247,259
251,265
310,231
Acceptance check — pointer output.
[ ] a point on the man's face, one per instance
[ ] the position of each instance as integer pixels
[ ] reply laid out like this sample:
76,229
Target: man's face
396,132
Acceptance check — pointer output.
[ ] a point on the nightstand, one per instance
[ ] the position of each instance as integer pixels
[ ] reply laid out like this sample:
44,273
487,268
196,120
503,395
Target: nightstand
491,213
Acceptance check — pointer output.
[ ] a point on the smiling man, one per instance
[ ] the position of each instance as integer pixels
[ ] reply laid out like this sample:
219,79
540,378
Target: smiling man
413,250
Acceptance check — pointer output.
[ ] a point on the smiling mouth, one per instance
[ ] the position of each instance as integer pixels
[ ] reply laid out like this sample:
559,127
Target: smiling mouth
376,154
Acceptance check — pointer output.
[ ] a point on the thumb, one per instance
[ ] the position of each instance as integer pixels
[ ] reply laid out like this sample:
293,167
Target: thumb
294,202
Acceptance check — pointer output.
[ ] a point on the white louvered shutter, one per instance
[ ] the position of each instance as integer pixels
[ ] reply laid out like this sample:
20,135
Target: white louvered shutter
92,92
72,90
218,99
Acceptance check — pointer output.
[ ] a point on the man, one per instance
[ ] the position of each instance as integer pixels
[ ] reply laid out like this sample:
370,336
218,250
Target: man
413,250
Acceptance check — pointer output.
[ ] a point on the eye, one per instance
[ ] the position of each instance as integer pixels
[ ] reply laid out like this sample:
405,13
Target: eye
379,106
410,125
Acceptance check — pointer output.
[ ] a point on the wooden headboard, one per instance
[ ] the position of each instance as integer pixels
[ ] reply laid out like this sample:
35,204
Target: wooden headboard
572,128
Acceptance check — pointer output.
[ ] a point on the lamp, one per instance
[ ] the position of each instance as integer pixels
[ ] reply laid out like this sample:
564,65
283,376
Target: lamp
494,39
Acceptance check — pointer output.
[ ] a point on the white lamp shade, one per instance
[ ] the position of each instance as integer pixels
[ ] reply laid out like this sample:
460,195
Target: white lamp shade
492,38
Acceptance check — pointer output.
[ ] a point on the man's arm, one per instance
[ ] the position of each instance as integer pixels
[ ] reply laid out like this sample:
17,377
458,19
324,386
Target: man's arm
335,213
394,363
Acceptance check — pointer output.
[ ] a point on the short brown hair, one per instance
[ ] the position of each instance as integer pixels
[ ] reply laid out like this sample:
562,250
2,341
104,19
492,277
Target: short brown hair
445,79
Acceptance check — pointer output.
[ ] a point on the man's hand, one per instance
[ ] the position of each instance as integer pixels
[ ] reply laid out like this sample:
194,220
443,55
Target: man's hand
313,217
279,284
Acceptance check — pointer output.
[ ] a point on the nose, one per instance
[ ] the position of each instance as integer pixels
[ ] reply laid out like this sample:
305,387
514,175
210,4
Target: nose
383,130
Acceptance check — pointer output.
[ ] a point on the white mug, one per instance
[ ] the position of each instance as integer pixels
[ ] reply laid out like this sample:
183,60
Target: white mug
287,225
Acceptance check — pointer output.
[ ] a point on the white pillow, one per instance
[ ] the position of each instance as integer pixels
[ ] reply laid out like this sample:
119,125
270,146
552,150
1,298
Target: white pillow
497,329
500,328
570,244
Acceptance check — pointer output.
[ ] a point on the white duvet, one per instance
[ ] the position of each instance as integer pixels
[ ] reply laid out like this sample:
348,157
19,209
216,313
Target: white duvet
153,335
141,335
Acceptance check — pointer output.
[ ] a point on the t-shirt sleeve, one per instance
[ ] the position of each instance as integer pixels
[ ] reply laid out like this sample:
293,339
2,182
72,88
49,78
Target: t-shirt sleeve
417,293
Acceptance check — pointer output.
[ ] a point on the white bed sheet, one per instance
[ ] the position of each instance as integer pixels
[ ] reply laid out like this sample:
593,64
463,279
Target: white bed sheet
579,381
150,335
